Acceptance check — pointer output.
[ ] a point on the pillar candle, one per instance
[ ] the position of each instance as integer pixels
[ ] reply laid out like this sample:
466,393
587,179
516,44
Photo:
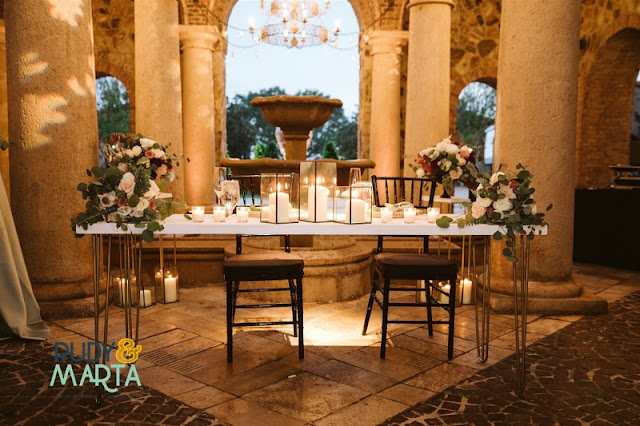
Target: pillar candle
282,214
317,202
145,298
170,289
122,283
443,297
467,289
355,210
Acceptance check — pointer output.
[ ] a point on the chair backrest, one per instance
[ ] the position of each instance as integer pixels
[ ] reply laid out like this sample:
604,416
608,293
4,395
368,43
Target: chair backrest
392,190
249,189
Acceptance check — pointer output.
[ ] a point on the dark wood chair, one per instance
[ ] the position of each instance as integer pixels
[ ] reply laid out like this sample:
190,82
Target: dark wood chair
271,266
410,266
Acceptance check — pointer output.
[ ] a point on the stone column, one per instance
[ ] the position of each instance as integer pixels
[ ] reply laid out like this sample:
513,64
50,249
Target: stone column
385,149
536,126
428,76
4,119
220,99
158,86
198,112
54,138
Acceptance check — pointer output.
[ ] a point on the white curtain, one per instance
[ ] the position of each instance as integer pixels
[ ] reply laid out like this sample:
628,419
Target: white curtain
19,311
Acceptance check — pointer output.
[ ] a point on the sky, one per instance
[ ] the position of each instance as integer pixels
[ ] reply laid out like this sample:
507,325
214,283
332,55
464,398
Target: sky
331,70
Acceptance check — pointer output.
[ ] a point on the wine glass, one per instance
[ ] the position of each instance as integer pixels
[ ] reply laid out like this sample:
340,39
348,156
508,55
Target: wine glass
355,175
230,195
220,175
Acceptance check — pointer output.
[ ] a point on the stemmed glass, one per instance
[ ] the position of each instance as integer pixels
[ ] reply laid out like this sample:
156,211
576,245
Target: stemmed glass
230,195
355,175
220,175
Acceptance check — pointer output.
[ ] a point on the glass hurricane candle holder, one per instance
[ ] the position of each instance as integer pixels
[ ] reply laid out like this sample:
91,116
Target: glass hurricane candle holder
197,213
432,214
167,285
352,204
242,214
386,214
120,295
409,215
279,194
146,293
219,214
317,179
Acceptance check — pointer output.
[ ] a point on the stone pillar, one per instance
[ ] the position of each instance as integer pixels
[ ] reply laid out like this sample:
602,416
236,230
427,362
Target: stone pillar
4,119
198,112
385,149
428,76
536,126
54,138
158,86
220,99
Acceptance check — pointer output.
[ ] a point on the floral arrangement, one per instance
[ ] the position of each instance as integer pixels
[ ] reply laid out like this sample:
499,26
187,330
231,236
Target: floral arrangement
125,191
447,162
504,199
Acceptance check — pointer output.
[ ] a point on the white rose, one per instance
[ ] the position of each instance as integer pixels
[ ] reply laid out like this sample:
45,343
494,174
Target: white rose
127,183
507,191
162,170
420,172
111,217
171,176
503,205
107,200
433,153
153,191
484,202
452,148
442,145
534,208
136,150
147,143
477,210
137,213
125,210
461,160
424,153
455,174
495,177
158,153
124,167
143,203
480,186
445,165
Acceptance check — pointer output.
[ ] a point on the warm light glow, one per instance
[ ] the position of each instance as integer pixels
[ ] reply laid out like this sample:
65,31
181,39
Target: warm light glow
45,107
69,11
29,64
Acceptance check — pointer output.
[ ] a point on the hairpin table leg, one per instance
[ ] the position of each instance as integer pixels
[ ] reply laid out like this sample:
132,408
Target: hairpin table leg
96,298
521,273
483,296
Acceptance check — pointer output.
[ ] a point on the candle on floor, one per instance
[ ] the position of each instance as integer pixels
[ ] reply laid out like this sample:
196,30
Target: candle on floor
385,214
171,288
219,214
145,298
432,214
467,289
197,214
122,283
242,214
409,215
444,298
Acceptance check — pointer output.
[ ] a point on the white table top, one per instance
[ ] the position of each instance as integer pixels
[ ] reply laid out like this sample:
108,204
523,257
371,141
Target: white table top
179,225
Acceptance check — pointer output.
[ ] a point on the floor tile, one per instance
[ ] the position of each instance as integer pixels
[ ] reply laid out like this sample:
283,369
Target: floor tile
239,412
353,376
370,411
441,377
256,378
167,381
204,397
405,394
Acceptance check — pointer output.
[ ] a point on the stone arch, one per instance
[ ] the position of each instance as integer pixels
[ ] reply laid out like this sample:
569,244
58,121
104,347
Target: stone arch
489,81
605,130
110,70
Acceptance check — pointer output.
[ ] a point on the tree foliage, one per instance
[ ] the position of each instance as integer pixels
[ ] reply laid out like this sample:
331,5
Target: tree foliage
113,107
249,133
330,150
476,111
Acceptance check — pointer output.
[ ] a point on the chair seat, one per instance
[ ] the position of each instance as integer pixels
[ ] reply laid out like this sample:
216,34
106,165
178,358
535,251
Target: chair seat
414,265
263,266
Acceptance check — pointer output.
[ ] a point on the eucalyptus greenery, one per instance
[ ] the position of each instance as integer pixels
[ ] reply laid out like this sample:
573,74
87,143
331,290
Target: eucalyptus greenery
503,199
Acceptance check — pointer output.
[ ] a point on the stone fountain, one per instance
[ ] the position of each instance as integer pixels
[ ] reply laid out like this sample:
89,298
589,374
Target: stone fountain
336,267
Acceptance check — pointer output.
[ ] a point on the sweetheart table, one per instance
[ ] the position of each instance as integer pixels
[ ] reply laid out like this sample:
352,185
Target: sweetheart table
180,225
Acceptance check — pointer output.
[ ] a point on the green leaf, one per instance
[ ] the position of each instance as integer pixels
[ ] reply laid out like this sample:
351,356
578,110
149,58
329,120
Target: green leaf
511,259
97,171
134,200
147,235
187,216
497,236
82,187
549,207
88,172
153,226
507,252
524,174
443,222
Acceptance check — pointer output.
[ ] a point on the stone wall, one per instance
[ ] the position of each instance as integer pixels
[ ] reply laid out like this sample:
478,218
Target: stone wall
610,58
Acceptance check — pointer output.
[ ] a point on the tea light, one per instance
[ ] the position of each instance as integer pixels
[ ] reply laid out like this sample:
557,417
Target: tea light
171,286
467,286
219,214
409,215
242,214
197,214
385,214
444,298
432,214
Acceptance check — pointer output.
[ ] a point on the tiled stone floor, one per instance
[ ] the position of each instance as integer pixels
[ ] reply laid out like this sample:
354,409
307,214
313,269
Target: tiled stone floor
341,381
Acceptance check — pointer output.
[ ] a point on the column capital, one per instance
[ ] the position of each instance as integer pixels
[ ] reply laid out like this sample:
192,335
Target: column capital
413,3
198,37
388,41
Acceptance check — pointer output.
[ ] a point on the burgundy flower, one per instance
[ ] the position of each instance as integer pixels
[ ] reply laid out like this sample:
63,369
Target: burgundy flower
514,184
490,211
121,202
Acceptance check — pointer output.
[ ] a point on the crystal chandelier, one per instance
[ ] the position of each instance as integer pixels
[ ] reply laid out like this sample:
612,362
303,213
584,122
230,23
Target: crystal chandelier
294,26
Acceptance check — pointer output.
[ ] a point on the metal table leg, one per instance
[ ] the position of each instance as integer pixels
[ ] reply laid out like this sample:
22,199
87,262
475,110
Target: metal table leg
521,273
96,297
482,297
